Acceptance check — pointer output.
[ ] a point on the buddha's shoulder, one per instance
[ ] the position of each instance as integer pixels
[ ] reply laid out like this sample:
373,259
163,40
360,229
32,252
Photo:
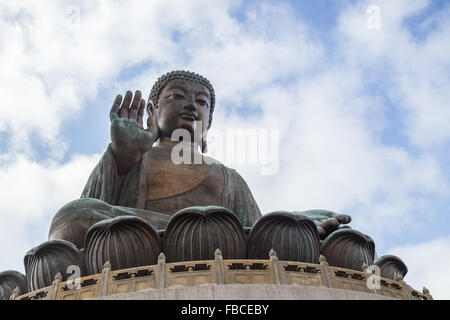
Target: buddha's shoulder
211,161
232,173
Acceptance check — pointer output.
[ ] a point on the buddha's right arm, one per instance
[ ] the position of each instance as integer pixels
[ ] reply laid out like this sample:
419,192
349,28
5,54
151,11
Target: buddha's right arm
126,158
105,184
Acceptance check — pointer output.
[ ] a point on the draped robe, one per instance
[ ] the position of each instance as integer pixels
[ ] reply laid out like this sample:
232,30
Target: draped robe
222,186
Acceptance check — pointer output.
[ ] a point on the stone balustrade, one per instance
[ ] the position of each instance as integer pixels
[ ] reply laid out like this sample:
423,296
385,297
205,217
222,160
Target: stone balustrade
219,272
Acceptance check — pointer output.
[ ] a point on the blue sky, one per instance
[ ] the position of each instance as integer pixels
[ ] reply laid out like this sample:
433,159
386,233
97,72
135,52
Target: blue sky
363,114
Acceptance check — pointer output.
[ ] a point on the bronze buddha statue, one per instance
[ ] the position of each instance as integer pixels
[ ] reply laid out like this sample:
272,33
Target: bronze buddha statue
139,202
136,175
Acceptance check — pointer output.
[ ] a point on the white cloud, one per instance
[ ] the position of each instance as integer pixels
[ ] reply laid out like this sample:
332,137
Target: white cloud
50,68
417,70
31,195
428,266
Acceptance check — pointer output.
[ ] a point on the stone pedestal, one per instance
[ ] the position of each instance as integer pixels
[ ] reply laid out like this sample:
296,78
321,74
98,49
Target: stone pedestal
245,292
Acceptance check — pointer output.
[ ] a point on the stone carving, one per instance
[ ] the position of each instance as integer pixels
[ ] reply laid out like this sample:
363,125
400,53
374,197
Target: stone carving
43,262
292,235
125,242
391,267
347,248
10,280
270,275
195,233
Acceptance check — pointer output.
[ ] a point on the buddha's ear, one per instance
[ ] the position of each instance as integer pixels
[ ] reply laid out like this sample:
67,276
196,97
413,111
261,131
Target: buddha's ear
204,145
150,107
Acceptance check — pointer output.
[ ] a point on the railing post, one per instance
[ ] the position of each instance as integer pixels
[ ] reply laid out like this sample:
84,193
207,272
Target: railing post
161,272
406,288
427,294
220,270
277,272
326,272
53,291
16,292
105,280
365,266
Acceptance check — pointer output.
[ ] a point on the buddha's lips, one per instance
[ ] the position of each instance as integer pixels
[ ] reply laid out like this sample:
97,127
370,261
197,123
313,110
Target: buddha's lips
188,116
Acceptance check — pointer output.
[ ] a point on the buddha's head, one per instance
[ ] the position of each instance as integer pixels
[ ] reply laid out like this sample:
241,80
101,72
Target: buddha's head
179,99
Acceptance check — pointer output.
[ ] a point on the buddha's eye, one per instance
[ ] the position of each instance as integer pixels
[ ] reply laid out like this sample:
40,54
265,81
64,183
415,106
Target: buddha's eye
202,102
175,96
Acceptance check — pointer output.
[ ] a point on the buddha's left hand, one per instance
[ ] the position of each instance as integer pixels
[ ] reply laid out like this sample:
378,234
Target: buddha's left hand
327,221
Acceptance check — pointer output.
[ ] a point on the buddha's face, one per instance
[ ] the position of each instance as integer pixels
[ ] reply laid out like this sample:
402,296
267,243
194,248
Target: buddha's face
180,103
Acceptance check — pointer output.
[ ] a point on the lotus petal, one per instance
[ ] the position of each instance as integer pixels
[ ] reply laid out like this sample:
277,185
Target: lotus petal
195,233
391,267
126,242
348,248
293,236
43,262
9,280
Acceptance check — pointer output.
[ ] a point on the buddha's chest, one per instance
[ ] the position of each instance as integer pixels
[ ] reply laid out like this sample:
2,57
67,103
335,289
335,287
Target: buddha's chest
164,178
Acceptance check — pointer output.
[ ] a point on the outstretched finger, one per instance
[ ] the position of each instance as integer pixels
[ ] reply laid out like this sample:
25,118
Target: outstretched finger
140,114
123,112
113,114
135,105
343,218
330,225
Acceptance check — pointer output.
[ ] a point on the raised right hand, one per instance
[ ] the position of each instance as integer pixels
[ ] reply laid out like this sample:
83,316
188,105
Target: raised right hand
130,140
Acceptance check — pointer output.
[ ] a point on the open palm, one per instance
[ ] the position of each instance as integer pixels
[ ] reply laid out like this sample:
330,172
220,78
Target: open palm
127,130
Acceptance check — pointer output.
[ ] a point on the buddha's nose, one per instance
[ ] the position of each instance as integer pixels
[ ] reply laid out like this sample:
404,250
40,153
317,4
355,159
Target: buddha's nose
190,107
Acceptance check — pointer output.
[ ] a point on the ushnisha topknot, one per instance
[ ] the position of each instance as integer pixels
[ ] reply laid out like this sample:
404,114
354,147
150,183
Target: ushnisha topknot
187,75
